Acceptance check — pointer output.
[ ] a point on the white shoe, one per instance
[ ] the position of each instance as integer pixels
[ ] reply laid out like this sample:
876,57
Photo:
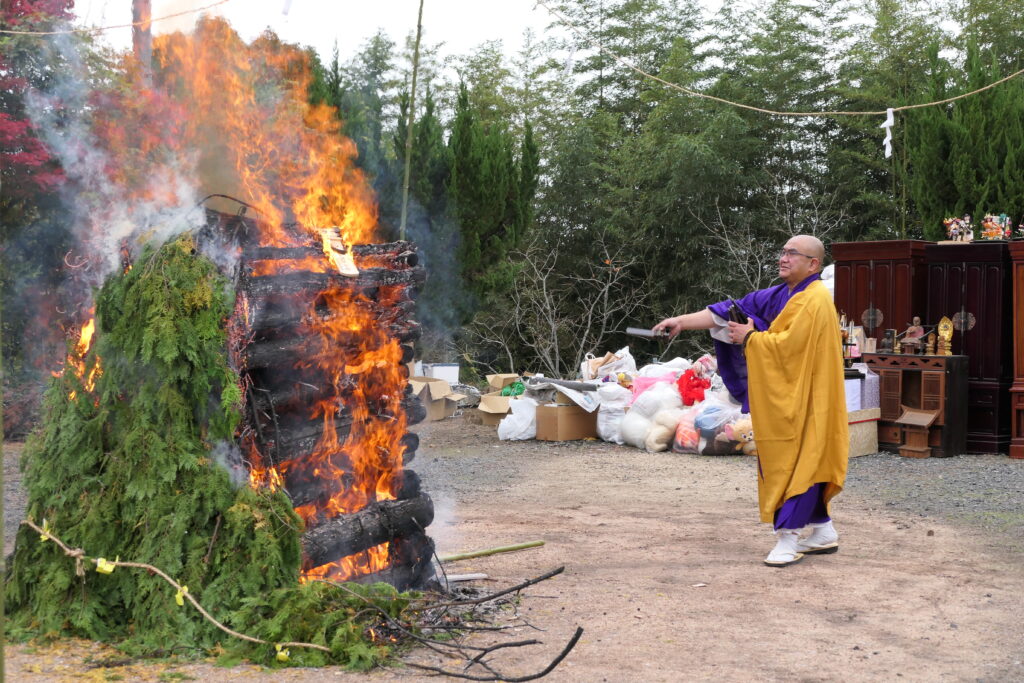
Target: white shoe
786,550
822,541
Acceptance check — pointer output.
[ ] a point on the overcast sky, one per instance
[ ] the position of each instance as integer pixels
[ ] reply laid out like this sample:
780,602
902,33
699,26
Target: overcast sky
460,24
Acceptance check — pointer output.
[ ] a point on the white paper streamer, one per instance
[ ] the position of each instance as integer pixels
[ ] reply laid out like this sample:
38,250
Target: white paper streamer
889,121
287,7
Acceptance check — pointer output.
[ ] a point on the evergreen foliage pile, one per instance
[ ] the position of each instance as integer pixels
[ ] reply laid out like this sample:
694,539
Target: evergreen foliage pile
129,469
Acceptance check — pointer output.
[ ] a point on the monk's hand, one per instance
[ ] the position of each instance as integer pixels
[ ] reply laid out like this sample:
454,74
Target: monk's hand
738,331
669,326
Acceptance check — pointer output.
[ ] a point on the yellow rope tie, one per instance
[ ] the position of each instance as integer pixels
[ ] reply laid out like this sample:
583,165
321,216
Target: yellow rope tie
107,566
587,38
100,29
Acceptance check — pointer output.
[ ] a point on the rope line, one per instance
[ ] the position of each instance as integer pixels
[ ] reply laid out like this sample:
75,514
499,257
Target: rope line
100,29
629,65
79,555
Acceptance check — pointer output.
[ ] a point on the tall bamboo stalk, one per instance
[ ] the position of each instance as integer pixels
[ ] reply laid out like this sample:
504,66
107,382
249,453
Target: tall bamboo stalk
408,132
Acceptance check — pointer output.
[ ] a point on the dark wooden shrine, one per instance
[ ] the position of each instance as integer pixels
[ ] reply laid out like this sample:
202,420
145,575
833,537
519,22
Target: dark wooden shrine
1017,388
914,385
970,283
880,285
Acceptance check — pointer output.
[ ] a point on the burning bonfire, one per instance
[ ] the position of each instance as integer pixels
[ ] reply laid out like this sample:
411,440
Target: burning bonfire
242,425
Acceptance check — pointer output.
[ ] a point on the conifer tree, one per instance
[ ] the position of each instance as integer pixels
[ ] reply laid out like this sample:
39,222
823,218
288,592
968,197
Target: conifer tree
929,133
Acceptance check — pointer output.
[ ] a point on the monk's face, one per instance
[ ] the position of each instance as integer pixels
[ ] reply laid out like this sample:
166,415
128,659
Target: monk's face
797,261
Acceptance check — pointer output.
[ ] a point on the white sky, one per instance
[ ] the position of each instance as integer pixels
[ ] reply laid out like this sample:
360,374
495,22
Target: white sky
460,24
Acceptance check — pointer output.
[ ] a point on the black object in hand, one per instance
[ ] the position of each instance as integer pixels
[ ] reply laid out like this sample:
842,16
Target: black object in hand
736,315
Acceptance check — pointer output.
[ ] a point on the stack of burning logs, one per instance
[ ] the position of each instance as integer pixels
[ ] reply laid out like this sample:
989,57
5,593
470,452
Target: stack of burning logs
283,383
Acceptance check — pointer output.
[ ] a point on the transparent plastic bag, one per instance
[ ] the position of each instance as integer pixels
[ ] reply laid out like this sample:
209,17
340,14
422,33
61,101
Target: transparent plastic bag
710,421
687,438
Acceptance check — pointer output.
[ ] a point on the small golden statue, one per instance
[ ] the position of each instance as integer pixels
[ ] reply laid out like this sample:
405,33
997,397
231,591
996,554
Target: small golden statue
945,337
930,345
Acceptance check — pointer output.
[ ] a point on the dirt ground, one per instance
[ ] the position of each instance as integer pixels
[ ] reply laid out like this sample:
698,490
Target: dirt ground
663,571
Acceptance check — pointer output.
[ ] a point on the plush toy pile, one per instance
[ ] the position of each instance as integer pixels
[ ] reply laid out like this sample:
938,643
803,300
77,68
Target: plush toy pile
682,405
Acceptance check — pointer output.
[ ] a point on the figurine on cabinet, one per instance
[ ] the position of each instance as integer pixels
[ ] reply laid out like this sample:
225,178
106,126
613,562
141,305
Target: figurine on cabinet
915,330
945,337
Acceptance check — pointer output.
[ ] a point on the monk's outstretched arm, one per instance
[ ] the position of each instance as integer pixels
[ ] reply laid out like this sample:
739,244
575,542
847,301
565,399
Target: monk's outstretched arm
700,320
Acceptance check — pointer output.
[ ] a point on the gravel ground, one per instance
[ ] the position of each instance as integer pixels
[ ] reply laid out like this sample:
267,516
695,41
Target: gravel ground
663,568
984,492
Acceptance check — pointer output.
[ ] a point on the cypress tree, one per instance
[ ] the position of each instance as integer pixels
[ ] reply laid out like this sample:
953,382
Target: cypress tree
529,173
930,133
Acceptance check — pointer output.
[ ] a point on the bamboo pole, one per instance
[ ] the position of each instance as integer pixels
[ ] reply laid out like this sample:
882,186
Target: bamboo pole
412,118
490,551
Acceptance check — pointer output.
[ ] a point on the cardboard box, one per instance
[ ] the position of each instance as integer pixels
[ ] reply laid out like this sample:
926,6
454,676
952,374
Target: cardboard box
493,407
436,395
500,381
449,372
565,423
584,399
863,427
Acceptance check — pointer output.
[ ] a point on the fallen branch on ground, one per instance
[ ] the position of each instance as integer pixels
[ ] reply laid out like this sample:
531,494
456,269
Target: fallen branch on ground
510,679
490,551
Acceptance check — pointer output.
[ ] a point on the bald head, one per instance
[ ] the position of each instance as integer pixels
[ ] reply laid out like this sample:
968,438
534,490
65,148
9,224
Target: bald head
802,256
812,246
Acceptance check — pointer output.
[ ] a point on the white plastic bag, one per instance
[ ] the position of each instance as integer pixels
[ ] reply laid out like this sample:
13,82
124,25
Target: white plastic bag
622,362
521,422
611,411
677,365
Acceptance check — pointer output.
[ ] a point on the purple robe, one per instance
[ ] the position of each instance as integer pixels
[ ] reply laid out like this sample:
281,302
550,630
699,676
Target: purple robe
762,307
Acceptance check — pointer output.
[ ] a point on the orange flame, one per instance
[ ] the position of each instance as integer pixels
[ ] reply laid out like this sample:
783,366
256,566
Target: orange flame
251,133
259,139
77,357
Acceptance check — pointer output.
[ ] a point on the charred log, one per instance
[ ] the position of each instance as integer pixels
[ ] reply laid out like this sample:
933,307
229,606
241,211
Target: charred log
378,523
291,437
410,442
280,353
281,399
393,255
411,565
287,353
280,323
304,281
307,492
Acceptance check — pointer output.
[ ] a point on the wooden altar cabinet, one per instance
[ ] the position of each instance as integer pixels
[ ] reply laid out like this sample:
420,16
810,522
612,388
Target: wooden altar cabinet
936,384
880,285
1017,388
972,281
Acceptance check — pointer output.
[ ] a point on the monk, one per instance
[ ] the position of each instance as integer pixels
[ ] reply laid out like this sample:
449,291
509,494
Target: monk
785,365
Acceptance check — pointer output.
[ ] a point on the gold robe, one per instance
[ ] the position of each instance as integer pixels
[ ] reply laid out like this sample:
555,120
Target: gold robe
798,401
